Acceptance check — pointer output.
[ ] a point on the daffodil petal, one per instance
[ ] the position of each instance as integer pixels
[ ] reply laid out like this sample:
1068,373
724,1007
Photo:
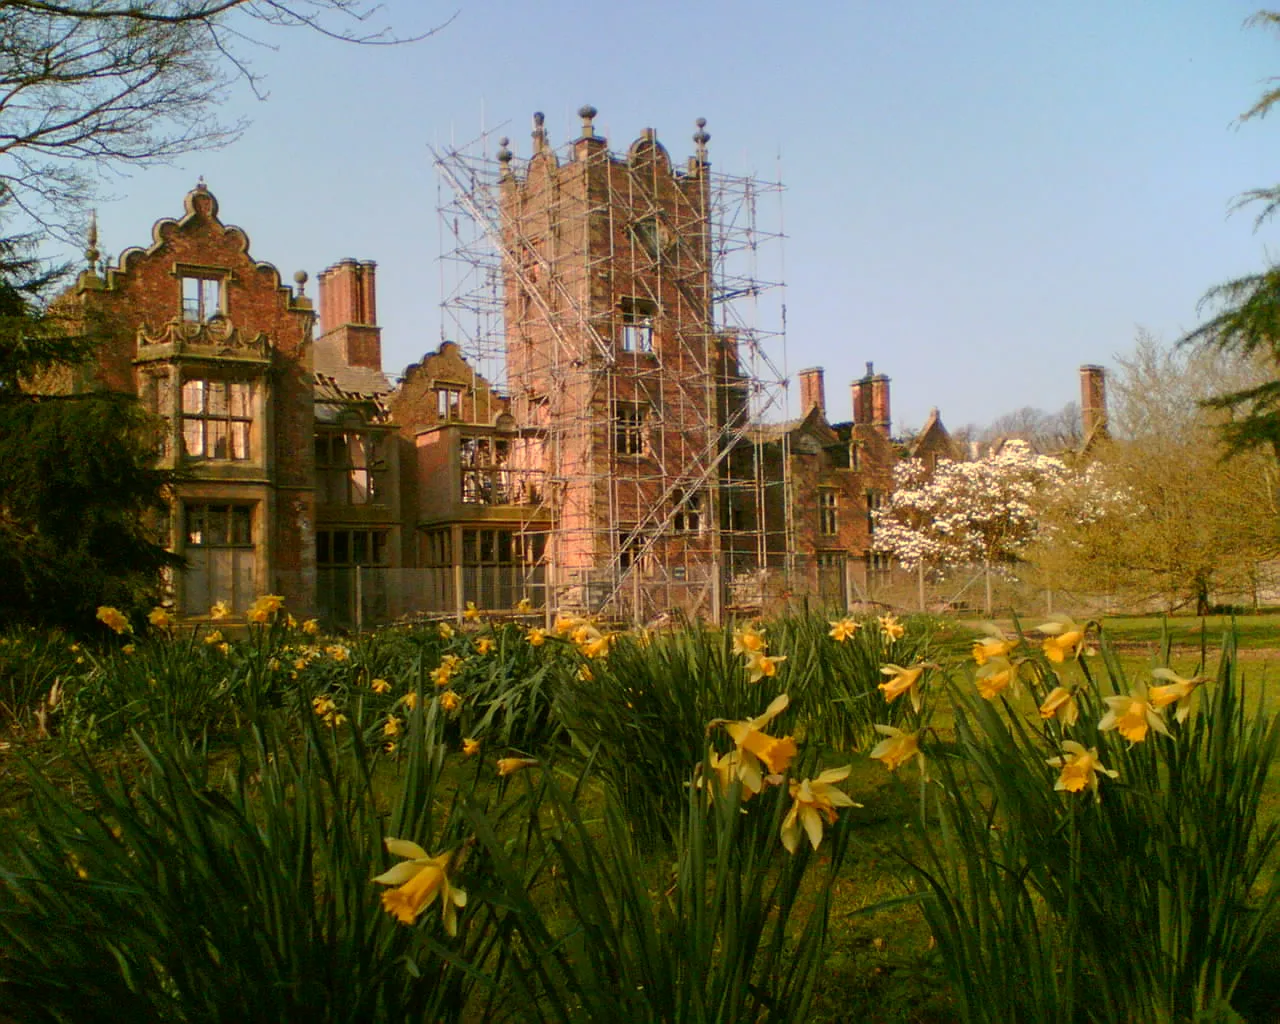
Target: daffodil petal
405,848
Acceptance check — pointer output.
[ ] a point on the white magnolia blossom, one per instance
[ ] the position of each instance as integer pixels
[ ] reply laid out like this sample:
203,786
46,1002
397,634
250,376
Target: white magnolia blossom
964,512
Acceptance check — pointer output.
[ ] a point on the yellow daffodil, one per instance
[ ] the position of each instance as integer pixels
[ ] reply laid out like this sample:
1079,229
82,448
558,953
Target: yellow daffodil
472,613
470,746
213,638
598,647
311,627
996,644
126,649
815,800
897,748
536,637
843,629
440,676
1176,689
322,705
891,627
996,674
484,645
389,746
391,726
760,665
1080,768
450,701
160,618
338,652
757,746
566,624
410,700
904,680
726,768
749,640
1064,638
445,630
114,619
1061,704
585,674
290,622
524,606
264,607
511,765
1132,715
220,610
380,686
224,648
418,880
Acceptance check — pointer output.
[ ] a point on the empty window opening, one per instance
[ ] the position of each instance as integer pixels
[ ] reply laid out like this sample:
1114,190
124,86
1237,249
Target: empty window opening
628,428
201,299
637,325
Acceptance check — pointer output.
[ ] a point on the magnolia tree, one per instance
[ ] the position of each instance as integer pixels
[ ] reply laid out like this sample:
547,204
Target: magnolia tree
986,511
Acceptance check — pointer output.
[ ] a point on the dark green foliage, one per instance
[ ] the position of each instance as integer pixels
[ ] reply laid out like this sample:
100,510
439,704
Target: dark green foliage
236,893
76,470
732,931
1248,324
1145,904
642,717
1248,321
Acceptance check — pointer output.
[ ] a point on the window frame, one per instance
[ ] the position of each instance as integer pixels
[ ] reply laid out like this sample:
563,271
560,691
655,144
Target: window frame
638,318
204,311
691,513
449,403
828,512
630,429
236,426
376,546
373,470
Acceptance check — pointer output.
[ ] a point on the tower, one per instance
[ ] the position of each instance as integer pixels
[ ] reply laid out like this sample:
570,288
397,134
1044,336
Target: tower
620,350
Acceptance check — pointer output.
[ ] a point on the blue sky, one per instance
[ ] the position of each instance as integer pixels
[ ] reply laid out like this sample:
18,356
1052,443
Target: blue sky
980,197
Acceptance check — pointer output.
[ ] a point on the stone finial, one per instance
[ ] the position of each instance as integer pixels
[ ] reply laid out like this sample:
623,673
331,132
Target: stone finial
504,154
91,253
300,279
587,113
200,184
539,131
700,139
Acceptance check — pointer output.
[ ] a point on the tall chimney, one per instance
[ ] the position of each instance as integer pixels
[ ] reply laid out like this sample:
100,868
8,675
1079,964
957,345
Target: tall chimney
1093,400
871,401
862,397
349,314
812,391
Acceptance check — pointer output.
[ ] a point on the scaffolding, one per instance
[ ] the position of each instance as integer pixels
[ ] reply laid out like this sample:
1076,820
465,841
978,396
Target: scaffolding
634,314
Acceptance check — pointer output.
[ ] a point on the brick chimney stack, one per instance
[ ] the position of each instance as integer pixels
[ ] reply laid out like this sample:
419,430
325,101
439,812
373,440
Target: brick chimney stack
871,401
1093,400
349,313
812,391
862,397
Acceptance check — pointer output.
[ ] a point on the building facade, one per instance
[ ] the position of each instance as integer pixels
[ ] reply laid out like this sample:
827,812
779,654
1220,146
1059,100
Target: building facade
617,471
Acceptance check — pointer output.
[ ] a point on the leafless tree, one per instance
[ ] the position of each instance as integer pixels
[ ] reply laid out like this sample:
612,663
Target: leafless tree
94,85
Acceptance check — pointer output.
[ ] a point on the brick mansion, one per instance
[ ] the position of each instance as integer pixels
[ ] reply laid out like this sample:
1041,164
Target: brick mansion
615,462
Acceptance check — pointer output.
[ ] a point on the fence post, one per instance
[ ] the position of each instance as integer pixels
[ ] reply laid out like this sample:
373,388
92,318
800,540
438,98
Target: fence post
359,597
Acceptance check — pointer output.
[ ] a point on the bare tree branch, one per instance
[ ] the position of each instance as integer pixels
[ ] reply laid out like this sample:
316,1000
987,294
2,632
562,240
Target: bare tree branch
88,86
